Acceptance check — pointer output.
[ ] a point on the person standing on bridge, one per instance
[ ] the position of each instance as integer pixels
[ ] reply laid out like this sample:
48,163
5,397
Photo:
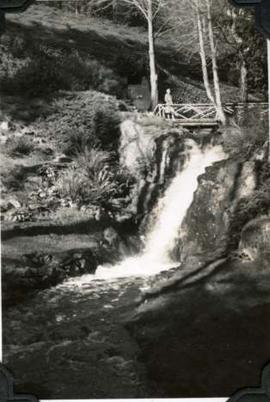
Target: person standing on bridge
169,110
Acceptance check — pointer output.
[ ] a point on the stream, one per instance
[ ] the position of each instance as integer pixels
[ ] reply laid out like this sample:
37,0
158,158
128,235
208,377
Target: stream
78,327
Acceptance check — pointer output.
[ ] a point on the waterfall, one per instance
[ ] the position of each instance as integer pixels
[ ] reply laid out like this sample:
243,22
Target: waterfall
172,208
170,213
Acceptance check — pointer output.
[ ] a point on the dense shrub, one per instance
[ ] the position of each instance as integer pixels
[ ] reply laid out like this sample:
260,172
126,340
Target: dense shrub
37,75
84,120
257,204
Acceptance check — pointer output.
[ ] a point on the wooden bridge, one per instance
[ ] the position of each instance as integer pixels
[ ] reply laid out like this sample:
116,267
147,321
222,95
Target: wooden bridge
203,114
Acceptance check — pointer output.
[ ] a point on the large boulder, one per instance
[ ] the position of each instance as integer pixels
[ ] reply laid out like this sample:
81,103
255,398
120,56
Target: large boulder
38,271
206,233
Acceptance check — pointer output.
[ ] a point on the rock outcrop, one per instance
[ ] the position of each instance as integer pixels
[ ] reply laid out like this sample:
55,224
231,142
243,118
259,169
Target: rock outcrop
152,150
188,323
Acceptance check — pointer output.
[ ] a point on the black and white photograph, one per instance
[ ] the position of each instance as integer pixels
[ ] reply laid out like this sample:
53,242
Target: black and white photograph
135,197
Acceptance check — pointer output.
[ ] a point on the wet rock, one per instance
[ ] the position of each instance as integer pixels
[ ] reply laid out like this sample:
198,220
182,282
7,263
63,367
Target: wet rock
42,270
110,236
79,262
115,247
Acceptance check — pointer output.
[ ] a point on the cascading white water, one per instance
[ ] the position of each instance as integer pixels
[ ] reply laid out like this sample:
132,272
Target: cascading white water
170,211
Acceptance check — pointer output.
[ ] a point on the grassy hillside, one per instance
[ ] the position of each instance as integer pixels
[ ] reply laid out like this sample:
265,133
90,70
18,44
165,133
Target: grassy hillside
44,50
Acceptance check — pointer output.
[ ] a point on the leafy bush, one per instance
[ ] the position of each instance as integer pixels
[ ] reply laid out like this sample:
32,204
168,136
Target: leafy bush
89,180
19,146
85,120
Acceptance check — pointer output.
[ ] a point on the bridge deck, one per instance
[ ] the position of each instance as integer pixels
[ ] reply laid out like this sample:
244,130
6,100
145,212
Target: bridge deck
197,123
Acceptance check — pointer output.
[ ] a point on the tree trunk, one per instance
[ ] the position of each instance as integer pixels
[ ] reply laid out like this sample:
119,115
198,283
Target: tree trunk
152,63
243,81
220,111
268,61
114,10
203,57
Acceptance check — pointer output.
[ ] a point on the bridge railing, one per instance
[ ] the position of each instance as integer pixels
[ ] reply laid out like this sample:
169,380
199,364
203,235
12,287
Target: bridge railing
187,111
203,112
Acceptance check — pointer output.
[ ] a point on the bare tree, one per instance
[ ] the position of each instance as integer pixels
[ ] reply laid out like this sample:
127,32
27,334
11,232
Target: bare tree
152,61
218,102
149,9
193,29
201,32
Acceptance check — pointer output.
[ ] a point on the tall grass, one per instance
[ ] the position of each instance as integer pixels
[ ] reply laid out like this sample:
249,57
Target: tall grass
90,180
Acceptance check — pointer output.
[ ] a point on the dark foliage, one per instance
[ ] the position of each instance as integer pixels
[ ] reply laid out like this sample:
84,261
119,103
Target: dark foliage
254,206
35,69
250,47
